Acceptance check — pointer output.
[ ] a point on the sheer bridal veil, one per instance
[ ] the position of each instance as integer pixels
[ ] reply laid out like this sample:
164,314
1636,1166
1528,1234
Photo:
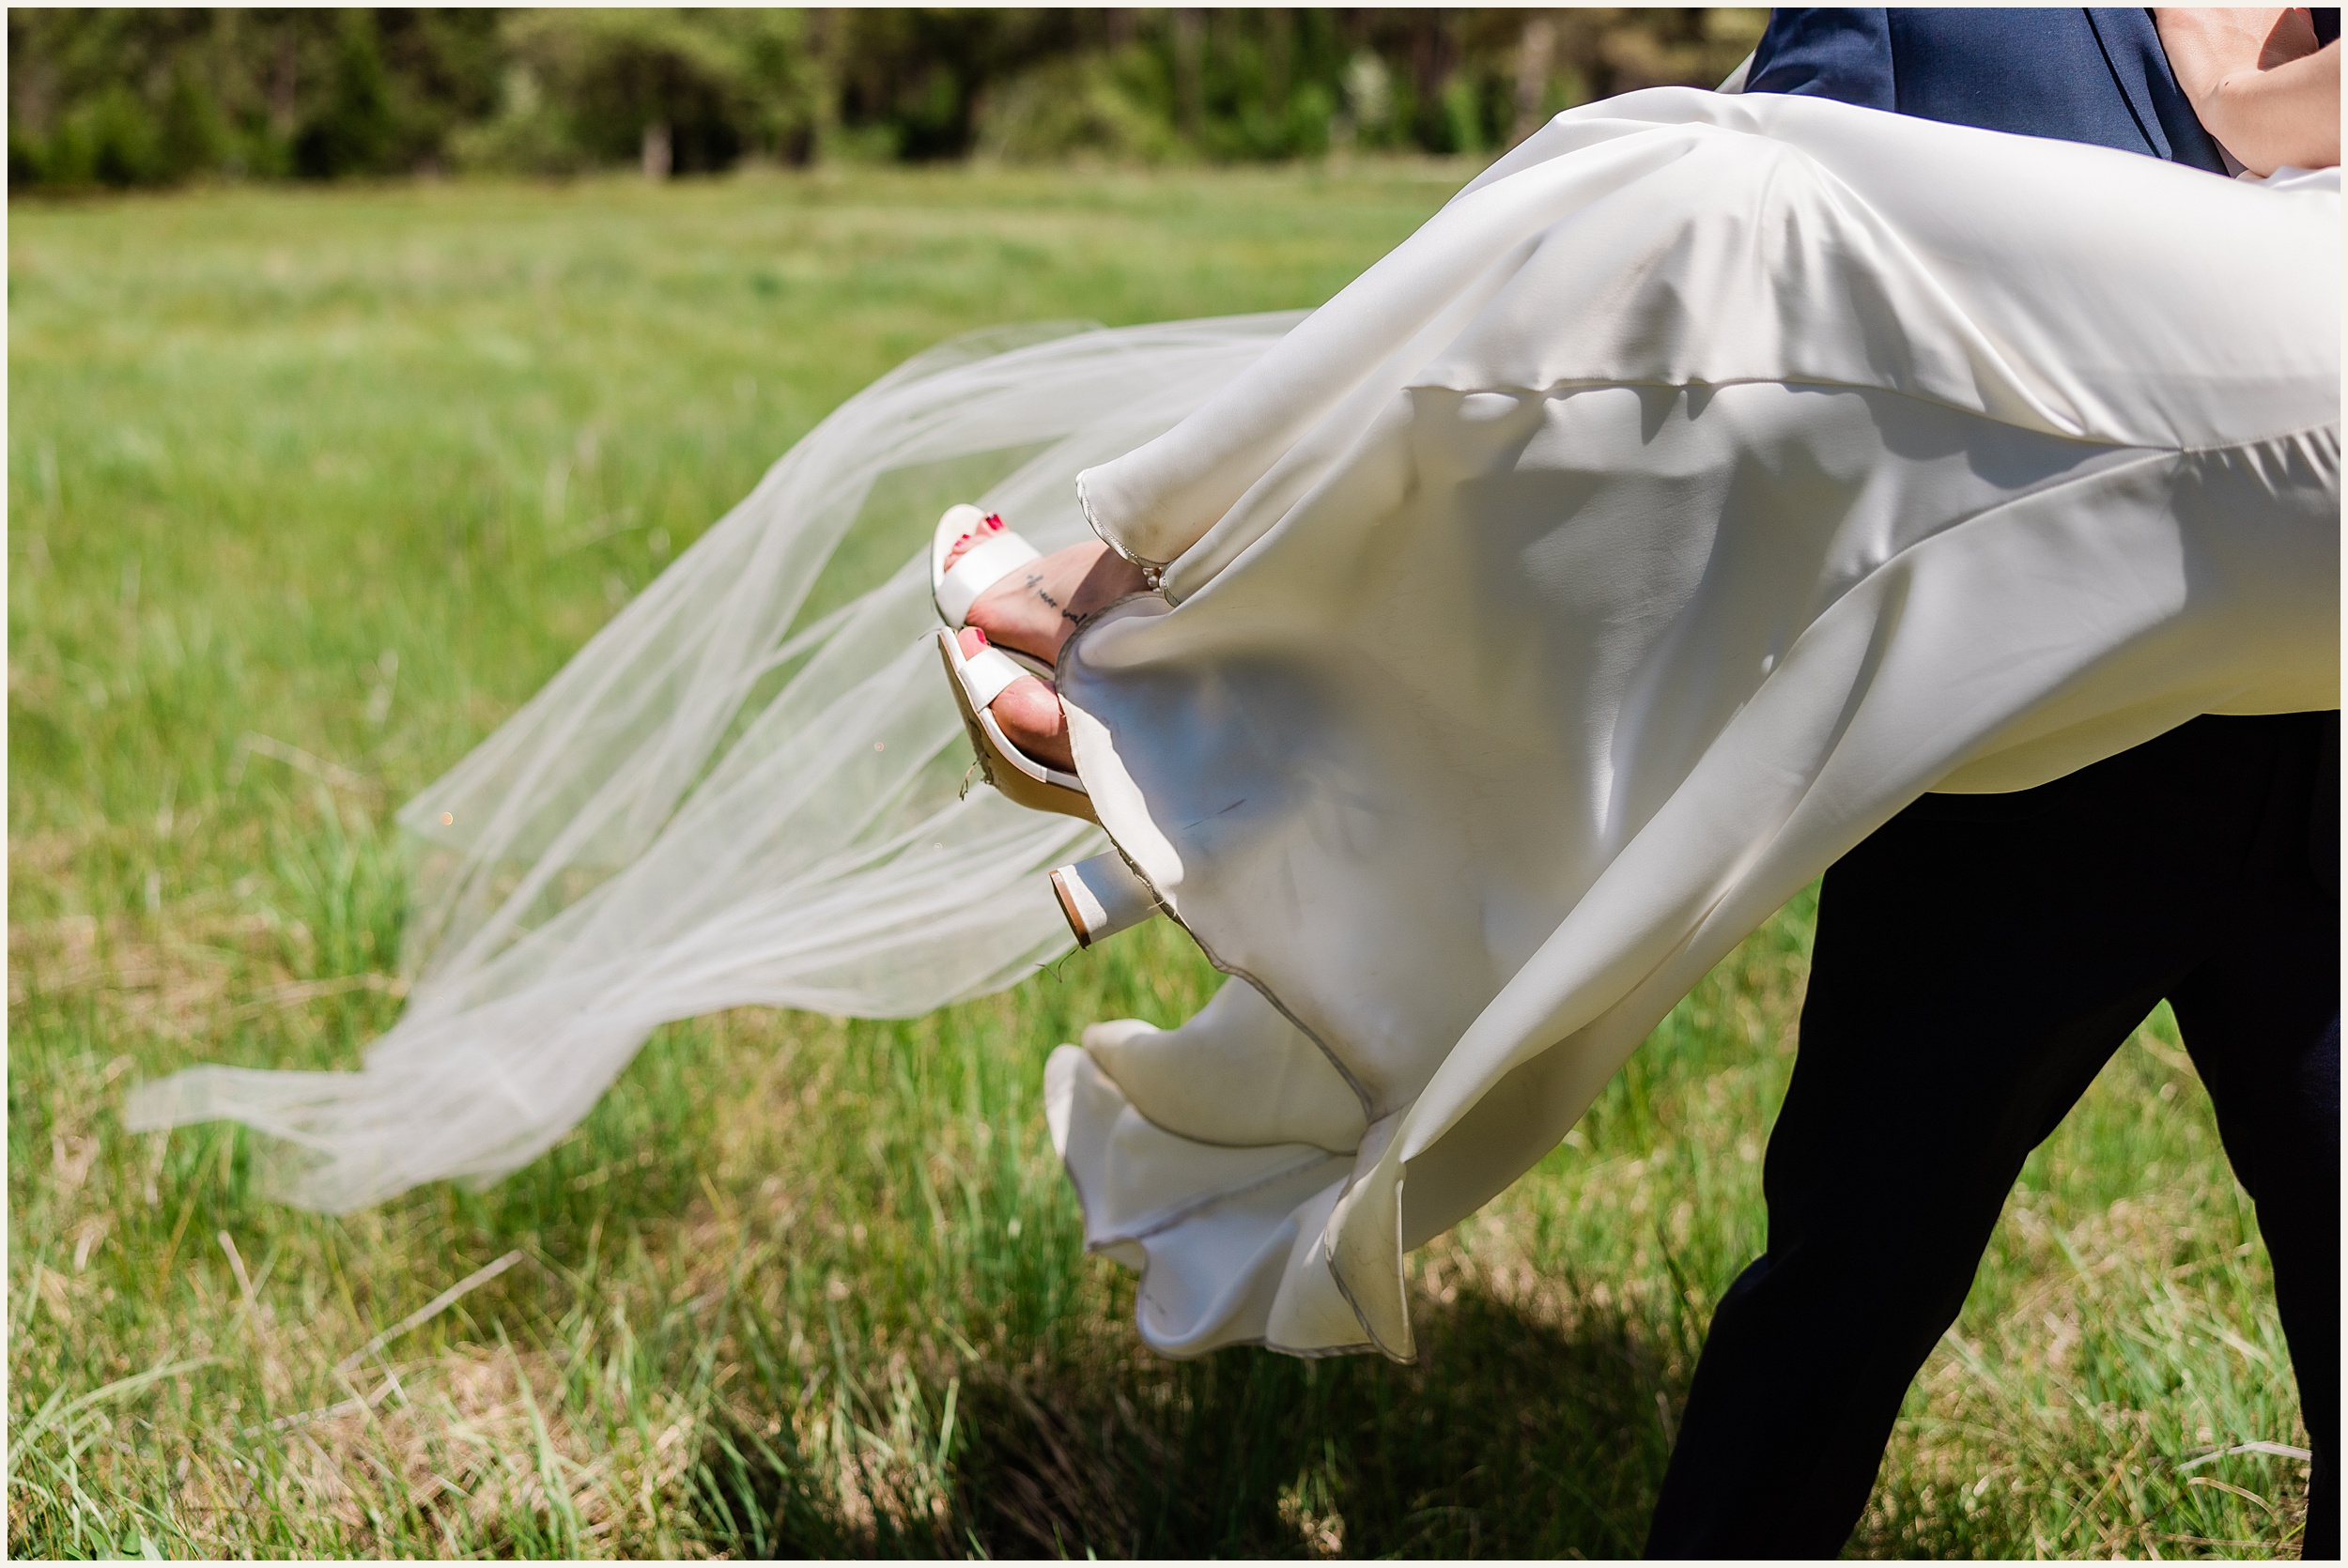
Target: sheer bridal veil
744,789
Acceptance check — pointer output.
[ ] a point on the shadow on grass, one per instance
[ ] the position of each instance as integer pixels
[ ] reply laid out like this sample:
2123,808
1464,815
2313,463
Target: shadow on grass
1512,1437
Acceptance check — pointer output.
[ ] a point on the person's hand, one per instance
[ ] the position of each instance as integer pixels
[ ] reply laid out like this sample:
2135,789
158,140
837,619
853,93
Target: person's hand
2258,83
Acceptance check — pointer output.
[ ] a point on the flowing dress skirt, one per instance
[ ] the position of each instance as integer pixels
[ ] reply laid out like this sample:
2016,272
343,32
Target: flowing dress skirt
1708,480
1710,477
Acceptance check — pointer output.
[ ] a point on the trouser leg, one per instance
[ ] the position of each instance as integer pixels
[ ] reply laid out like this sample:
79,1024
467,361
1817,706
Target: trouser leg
1908,1117
1977,962
2283,1135
2262,1020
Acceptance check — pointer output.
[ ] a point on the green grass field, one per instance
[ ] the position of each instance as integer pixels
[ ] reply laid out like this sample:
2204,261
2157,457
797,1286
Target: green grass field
307,490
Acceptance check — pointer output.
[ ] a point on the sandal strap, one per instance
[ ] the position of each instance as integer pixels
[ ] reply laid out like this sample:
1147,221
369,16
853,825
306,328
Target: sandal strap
982,567
985,673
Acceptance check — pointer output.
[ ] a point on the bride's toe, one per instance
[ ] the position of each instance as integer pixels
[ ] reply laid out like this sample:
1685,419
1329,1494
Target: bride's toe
987,527
1028,712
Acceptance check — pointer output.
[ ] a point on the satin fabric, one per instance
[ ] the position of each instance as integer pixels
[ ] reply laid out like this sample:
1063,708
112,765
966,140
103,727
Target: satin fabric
1705,483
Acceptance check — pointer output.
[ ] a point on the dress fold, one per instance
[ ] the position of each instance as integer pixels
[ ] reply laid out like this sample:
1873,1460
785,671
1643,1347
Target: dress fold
1705,483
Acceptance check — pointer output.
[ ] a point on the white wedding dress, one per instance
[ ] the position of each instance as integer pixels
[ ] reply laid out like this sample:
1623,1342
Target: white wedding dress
1708,480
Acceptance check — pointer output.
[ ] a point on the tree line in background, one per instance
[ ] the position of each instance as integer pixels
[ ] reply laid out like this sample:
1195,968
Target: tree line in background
129,98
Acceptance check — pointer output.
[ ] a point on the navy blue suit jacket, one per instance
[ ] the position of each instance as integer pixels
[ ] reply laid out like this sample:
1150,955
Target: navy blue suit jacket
2074,75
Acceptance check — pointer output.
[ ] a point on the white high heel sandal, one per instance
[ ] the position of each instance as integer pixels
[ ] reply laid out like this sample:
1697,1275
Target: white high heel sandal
1098,897
978,680
981,566
1102,897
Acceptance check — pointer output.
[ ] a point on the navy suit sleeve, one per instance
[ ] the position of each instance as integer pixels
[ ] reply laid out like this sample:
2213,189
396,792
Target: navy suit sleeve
2140,69
1841,54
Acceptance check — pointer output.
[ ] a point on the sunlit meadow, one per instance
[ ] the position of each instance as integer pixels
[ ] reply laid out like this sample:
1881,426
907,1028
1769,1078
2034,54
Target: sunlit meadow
308,489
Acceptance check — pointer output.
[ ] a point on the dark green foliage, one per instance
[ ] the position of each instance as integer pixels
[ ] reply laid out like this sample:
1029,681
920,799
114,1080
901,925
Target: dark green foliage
916,76
126,98
355,129
675,90
130,98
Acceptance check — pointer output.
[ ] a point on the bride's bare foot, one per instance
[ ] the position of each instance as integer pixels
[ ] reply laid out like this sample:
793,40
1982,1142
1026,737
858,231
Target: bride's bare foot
1029,709
1037,606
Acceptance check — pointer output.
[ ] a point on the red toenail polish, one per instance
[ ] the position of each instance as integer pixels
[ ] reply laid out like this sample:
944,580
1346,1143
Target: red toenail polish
981,637
994,521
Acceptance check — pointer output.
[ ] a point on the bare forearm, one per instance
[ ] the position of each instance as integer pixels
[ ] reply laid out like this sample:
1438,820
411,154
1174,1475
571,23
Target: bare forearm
2289,116
2258,83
